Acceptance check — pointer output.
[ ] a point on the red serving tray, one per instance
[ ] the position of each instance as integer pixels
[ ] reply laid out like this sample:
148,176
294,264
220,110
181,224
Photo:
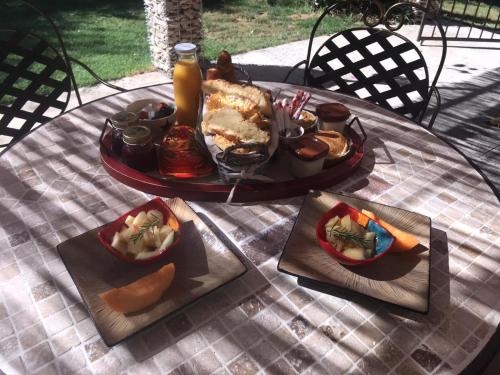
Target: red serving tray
250,191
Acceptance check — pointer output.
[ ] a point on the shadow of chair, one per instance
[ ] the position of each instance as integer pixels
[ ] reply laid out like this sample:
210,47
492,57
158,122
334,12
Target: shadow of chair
376,63
36,80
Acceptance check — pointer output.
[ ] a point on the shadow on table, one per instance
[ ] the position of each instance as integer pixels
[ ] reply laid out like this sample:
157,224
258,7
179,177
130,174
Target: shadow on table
157,338
439,277
463,120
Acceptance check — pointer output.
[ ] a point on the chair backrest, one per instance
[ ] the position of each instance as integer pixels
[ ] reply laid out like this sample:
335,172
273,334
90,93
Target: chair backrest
375,63
35,84
27,90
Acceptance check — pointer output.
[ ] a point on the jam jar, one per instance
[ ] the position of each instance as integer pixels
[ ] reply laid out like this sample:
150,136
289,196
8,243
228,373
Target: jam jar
138,151
308,155
119,122
333,116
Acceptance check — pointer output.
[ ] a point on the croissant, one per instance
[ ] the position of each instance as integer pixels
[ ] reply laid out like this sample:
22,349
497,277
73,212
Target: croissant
226,67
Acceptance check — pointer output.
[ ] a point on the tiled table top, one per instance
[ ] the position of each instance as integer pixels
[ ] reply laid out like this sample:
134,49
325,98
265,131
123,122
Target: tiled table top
53,188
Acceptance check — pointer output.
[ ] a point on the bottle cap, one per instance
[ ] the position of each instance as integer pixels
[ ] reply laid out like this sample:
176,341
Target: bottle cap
121,120
332,112
185,48
136,135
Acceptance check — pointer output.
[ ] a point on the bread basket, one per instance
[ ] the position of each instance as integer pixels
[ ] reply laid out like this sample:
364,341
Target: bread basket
244,161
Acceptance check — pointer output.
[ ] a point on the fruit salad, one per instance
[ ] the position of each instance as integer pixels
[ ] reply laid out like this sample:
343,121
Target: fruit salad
155,111
145,235
350,238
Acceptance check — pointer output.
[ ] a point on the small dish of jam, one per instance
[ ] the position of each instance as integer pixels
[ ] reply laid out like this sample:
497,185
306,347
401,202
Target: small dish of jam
138,151
119,122
333,116
308,155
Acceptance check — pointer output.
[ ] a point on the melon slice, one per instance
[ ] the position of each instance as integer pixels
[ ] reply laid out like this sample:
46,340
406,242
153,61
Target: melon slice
403,241
370,214
173,223
362,220
141,293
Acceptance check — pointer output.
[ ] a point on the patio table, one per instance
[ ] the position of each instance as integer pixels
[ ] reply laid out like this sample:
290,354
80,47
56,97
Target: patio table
53,188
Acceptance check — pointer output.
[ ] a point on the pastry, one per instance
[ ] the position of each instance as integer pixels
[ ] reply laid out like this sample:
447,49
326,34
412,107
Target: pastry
238,94
236,114
226,67
220,100
230,124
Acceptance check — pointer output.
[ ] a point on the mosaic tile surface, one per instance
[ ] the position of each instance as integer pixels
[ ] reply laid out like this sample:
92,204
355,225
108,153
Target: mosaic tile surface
53,188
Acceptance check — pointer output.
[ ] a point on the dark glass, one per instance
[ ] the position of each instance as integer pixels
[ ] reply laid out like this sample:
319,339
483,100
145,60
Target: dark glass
117,140
139,156
119,122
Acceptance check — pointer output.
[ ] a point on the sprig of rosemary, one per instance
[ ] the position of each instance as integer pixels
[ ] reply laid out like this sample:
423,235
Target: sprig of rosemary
144,227
348,236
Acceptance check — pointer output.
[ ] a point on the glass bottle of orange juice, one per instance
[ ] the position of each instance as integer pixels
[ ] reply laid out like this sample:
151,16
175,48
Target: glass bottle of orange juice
187,84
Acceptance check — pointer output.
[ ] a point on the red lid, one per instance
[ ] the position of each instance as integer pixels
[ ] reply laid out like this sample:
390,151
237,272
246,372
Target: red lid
332,112
309,148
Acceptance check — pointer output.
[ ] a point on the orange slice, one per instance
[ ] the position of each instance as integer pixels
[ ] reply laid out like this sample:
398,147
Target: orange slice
362,220
370,214
403,241
173,223
141,293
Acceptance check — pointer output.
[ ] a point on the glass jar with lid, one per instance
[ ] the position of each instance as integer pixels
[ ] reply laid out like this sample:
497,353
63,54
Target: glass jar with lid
138,151
333,116
119,122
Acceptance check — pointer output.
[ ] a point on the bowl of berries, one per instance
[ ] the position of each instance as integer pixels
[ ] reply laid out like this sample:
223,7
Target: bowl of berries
153,113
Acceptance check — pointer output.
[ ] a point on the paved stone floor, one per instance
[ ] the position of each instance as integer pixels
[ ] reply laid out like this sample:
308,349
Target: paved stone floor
463,121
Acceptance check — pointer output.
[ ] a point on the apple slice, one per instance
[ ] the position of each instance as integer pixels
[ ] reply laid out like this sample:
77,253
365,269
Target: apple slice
169,240
147,254
141,293
129,220
140,219
119,244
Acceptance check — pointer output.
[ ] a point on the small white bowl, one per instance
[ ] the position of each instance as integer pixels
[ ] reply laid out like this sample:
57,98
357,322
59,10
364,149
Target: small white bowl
139,105
291,134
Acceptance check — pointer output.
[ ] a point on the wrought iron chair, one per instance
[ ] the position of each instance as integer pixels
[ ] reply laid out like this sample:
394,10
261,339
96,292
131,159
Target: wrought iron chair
376,64
36,80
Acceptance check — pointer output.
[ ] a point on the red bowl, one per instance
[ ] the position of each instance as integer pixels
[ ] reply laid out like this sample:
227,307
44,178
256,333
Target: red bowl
106,234
341,209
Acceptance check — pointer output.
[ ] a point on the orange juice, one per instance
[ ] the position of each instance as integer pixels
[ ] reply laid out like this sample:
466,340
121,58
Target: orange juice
187,84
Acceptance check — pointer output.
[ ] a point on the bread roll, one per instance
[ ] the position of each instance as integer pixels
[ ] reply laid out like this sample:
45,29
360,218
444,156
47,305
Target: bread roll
230,124
233,90
220,100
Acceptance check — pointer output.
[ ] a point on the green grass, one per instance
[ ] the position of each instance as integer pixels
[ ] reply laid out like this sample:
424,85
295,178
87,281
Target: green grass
111,37
243,25
470,7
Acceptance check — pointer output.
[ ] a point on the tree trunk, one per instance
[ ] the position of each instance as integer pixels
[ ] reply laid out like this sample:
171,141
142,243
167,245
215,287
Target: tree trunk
170,22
